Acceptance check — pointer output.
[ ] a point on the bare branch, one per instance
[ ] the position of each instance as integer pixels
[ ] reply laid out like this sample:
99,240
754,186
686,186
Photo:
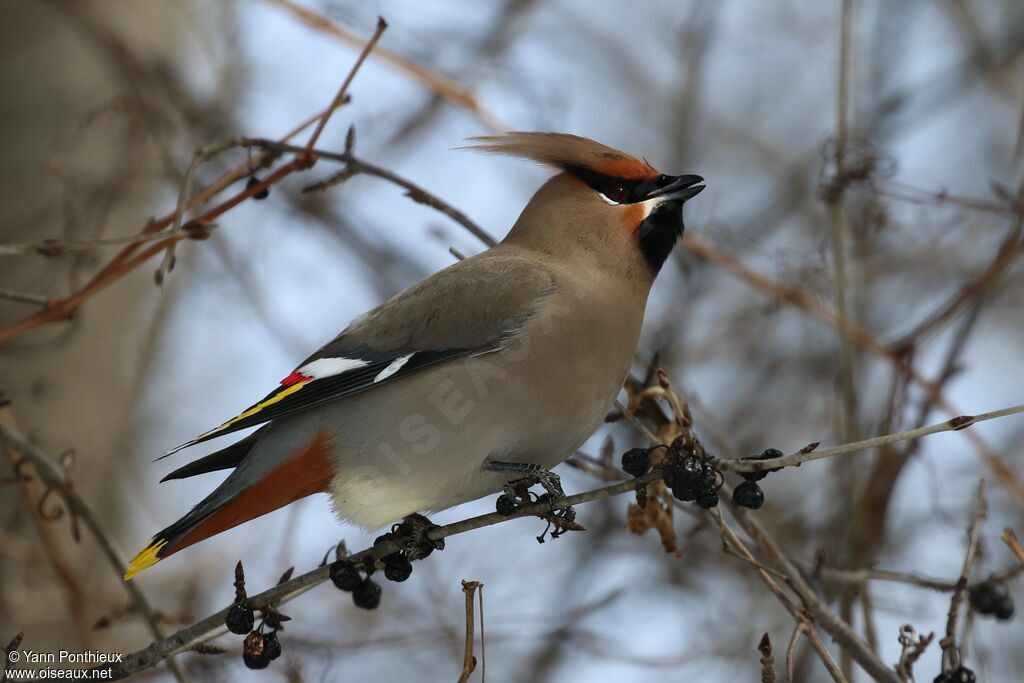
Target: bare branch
950,651
802,456
911,579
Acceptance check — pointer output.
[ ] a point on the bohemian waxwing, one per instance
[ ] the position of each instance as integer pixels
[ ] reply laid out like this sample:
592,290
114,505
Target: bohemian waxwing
495,367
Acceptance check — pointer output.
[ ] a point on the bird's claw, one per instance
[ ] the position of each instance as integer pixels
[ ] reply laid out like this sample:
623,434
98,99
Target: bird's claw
517,489
411,536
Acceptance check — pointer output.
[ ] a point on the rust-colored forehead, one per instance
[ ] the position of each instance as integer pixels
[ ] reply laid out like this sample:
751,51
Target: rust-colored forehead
567,152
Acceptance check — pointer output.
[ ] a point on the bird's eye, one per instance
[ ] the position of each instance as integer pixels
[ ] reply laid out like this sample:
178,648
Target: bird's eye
616,192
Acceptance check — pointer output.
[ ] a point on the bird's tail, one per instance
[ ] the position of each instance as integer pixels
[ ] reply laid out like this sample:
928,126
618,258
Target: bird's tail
243,496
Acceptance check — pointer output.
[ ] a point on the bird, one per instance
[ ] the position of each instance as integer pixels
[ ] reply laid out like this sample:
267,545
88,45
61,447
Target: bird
494,369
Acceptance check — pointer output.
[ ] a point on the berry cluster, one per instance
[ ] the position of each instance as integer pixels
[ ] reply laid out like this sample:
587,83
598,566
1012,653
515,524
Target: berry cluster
365,591
355,579
694,478
692,474
961,674
259,648
990,600
689,472
748,494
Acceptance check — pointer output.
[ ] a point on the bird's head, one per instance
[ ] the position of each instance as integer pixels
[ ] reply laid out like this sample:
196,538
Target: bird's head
615,206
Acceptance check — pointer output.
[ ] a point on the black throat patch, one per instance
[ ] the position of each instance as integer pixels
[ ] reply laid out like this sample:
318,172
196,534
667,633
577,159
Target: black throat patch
658,233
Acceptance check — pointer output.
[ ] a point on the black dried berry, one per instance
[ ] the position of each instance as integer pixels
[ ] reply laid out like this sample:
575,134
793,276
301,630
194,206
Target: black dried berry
271,646
397,567
367,595
754,476
1004,608
260,661
749,495
345,576
984,598
692,471
768,454
961,674
636,461
707,498
505,505
670,475
240,618
685,492
262,194
990,600
254,652
712,477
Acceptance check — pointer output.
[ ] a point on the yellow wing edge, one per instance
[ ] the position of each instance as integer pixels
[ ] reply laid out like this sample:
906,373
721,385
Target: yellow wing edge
146,558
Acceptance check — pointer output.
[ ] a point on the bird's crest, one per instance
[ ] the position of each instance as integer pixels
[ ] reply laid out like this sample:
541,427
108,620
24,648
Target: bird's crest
566,152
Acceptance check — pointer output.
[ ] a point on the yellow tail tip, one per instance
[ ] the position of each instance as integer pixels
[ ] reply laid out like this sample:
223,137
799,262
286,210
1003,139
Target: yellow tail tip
145,559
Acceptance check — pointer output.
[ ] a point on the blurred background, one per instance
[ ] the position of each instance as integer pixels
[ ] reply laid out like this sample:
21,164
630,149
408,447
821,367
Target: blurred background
106,101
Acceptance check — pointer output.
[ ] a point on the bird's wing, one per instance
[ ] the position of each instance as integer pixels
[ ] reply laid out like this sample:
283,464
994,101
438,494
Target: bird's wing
471,307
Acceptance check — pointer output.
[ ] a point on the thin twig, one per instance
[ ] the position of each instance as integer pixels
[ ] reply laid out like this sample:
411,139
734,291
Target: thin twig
860,576
339,97
798,631
950,651
795,459
22,298
1013,543
483,638
912,647
469,661
55,247
839,229
767,660
909,193
201,155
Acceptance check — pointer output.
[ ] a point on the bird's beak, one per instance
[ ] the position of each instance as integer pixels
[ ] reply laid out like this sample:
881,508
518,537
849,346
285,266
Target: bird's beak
675,188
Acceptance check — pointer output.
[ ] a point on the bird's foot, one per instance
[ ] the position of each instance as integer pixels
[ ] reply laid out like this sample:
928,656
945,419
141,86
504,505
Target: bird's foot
516,492
562,520
531,474
411,536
